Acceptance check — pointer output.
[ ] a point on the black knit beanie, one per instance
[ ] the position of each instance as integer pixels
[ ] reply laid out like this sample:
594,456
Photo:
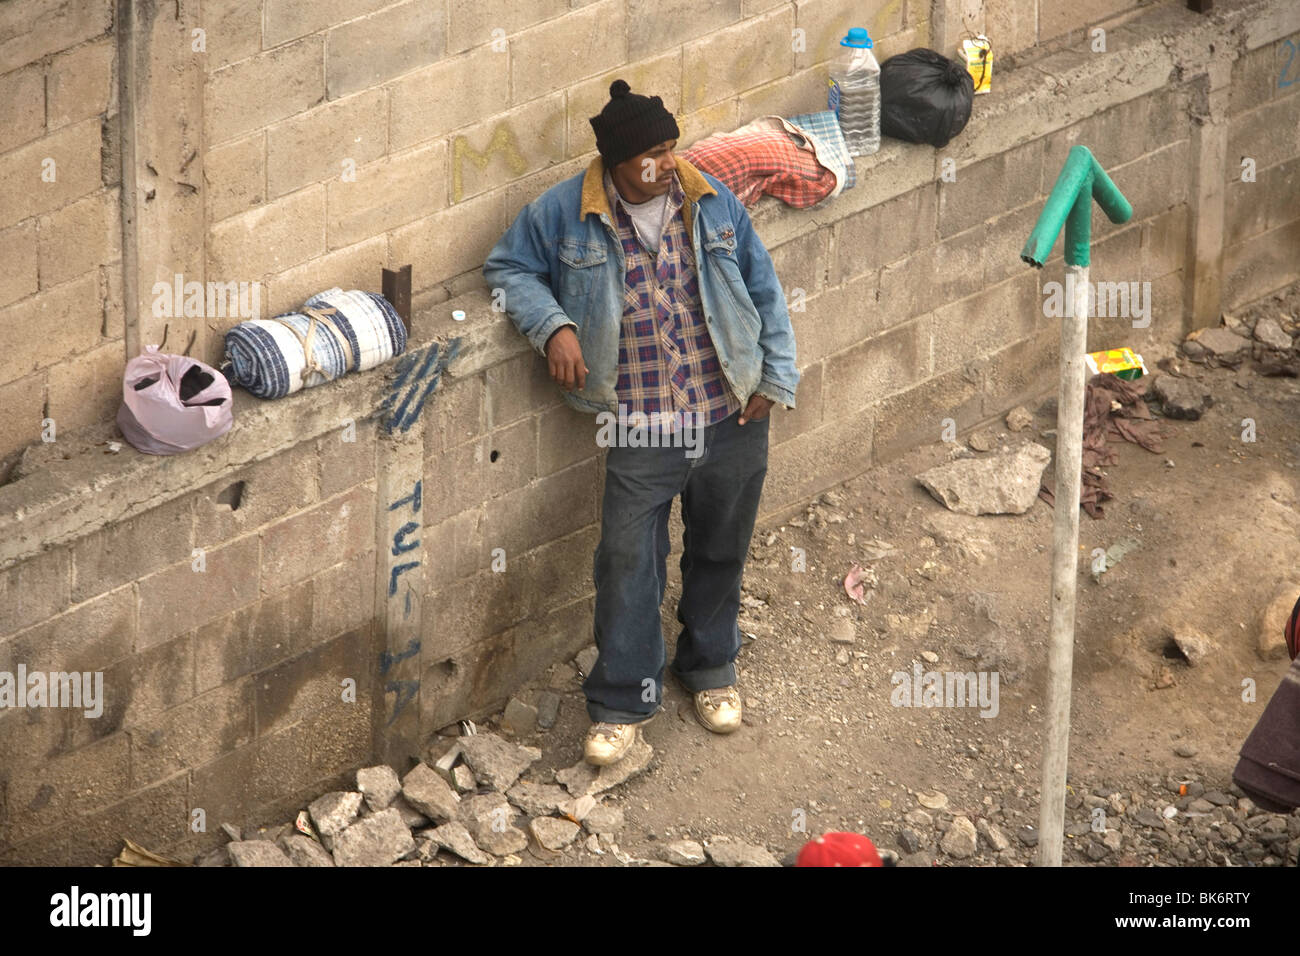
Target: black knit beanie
630,124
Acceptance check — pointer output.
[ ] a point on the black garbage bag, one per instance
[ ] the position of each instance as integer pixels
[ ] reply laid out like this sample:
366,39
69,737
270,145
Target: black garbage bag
925,97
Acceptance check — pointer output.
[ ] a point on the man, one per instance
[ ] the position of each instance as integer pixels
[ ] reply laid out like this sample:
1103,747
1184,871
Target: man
644,285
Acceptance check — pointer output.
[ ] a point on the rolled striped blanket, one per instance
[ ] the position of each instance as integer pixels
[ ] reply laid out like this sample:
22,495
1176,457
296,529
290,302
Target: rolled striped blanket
334,332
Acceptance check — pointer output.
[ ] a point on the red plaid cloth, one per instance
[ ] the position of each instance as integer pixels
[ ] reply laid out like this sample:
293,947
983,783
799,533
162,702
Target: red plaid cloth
764,157
666,361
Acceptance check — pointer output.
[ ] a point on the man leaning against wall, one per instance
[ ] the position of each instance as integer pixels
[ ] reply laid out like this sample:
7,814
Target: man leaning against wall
643,283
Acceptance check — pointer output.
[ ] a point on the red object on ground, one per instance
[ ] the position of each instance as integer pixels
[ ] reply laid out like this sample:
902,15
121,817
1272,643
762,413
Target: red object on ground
839,849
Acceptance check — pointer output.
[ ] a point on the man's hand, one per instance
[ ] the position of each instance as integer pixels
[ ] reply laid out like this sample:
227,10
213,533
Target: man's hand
564,358
756,410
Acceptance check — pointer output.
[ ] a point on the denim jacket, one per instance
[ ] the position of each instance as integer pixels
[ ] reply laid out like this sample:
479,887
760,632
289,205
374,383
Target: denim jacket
561,263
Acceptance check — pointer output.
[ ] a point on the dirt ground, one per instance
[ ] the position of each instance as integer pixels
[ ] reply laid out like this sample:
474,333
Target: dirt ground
1217,533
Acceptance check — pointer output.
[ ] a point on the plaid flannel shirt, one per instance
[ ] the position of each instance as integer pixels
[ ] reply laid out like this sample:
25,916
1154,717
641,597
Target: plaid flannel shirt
667,365
766,157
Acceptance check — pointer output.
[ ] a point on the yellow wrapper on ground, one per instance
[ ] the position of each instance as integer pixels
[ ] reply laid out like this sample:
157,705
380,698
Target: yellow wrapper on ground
1124,363
977,54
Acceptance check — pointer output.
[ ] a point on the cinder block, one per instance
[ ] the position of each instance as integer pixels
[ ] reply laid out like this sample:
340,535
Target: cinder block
932,277
233,30
478,679
493,465
885,364
553,55
803,263
193,733
18,252
1284,178
365,52
988,188
252,638
235,100
839,318
916,416
517,387
1005,237
342,741
50,172
458,414
388,193
79,237
825,22
1056,19
1260,265
308,543
716,118
344,464
885,233
137,690
343,599
1268,134
1014,23
22,105
1164,240
809,410
507,147
358,266
24,403
471,23
659,76
801,92
87,390
179,598
987,321
80,83
461,550
738,58
655,25
236,785
565,436
310,683
268,239
90,637
461,614
45,328
451,241
431,102
69,786
30,29
1156,182
1021,372
289,19
844,445
546,509
235,174
314,146
264,491
158,817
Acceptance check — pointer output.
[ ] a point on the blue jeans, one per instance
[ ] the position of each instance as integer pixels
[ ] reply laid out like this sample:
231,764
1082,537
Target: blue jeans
720,490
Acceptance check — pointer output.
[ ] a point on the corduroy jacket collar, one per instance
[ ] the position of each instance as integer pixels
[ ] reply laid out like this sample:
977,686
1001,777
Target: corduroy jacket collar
694,185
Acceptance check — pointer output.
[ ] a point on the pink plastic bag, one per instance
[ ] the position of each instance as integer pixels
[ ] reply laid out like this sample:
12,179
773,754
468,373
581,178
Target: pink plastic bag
172,403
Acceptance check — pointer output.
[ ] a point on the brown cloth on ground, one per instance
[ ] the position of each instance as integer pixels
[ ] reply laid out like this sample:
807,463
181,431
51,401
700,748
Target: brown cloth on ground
1269,768
1131,421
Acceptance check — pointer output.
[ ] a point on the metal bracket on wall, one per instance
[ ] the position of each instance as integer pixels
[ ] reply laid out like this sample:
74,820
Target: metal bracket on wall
397,290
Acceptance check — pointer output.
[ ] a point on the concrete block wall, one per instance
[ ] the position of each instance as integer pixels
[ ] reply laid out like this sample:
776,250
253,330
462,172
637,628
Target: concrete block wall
442,556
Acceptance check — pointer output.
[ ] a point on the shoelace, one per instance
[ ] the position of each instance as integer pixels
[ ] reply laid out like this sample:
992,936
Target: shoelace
607,730
715,698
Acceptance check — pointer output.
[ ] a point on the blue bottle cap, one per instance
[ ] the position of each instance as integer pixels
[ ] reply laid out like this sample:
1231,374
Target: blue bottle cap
857,37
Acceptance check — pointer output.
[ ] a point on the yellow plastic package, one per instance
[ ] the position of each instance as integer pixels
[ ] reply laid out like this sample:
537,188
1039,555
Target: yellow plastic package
977,53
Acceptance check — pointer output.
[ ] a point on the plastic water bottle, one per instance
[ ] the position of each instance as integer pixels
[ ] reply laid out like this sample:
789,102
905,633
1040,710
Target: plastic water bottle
855,93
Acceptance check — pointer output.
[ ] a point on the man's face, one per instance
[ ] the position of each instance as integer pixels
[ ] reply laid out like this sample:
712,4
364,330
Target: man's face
647,175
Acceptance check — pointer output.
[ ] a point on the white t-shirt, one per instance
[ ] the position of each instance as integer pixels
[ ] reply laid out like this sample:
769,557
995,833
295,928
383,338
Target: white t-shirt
647,217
